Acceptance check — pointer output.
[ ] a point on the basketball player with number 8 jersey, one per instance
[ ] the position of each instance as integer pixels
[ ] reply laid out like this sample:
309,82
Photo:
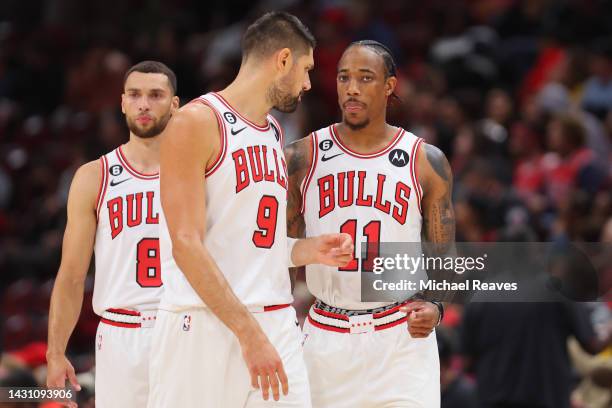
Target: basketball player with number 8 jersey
113,208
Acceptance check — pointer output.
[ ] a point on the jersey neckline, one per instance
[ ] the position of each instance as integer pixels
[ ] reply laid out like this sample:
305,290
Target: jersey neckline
335,136
132,170
245,120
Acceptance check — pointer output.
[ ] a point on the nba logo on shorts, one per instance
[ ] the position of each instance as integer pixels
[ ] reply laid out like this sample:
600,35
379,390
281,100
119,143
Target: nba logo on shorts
186,322
99,342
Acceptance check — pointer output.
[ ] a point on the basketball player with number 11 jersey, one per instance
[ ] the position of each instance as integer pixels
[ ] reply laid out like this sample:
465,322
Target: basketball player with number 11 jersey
377,183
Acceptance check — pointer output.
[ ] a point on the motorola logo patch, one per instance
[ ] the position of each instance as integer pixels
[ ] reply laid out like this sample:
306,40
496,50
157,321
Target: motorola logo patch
398,157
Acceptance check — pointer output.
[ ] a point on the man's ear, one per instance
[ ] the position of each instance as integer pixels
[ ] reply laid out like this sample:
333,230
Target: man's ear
122,101
390,85
284,60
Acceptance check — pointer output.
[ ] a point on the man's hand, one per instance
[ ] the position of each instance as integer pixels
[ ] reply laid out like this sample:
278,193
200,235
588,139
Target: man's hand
59,370
265,366
422,318
328,249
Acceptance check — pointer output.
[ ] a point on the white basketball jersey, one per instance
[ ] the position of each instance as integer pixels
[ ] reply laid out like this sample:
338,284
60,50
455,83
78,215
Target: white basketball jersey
128,273
246,202
373,197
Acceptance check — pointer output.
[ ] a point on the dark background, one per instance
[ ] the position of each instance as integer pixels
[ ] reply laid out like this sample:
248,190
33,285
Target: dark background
516,93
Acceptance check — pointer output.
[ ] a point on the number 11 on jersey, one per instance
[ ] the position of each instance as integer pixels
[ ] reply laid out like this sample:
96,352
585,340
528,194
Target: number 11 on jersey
371,231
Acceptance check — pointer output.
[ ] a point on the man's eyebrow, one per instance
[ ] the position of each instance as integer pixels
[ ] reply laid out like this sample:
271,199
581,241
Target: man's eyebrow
146,90
343,70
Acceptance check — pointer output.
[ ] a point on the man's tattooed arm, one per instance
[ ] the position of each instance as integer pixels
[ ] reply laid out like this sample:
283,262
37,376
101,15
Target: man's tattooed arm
299,157
438,229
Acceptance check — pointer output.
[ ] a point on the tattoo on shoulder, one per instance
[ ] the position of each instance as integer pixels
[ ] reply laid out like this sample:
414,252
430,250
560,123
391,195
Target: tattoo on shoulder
297,156
438,161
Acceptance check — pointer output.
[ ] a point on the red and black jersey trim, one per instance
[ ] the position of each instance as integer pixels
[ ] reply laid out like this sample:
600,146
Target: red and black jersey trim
210,169
311,170
103,185
235,112
414,171
334,135
123,160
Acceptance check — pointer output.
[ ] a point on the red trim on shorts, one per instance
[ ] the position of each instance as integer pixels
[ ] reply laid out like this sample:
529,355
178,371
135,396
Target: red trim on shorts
327,327
390,311
103,186
131,170
330,314
222,137
120,324
334,134
245,120
413,172
124,312
276,307
311,170
391,324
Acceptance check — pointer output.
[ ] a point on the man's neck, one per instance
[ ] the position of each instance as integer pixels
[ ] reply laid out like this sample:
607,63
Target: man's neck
247,94
371,138
143,153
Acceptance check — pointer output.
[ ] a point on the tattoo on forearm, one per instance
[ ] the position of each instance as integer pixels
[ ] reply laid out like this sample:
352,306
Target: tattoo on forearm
439,219
438,216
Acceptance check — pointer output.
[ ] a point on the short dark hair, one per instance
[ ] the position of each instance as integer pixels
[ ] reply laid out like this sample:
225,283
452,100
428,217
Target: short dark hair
276,30
383,51
153,67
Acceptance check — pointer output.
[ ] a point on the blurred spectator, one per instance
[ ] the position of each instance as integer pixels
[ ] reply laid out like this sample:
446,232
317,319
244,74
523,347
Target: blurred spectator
457,390
597,94
18,378
518,351
517,93
570,165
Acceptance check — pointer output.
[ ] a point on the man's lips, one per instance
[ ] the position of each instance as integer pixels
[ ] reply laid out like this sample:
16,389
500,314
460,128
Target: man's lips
144,119
353,106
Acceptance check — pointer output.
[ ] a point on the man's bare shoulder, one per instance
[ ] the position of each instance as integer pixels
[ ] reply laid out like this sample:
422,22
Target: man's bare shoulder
195,113
299,155
433,165
86,182
194,124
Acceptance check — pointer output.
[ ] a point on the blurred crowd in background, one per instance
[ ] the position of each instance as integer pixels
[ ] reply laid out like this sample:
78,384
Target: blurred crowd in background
518,95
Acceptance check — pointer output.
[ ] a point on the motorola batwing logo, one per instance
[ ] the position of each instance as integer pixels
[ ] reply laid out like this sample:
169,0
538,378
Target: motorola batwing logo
398,157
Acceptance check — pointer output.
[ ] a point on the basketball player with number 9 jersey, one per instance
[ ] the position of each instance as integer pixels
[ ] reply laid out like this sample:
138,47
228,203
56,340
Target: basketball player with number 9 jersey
113,209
